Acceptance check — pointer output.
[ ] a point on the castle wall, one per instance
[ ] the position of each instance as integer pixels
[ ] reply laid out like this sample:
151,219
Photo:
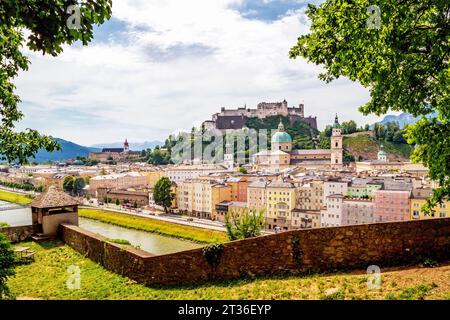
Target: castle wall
236,118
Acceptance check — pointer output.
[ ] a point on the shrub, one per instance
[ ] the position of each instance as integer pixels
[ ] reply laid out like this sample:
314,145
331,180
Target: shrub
213,254
244,224
7,266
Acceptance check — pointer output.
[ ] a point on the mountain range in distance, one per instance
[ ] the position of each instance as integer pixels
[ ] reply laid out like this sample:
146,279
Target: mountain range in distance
403,119
72,150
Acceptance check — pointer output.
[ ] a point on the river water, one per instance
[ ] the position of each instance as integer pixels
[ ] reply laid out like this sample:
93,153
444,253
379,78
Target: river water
147,241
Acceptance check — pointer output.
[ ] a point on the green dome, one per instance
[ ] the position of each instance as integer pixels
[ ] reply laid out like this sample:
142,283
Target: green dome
382,153
281,136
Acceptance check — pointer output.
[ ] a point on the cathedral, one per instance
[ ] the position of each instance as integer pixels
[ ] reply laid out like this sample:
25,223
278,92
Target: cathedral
282,156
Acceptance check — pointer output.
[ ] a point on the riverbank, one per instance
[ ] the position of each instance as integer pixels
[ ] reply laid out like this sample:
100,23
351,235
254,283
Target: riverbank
135,222
99,284
156,226
15,197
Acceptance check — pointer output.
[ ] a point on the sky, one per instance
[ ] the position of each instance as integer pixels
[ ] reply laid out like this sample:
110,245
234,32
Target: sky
161,66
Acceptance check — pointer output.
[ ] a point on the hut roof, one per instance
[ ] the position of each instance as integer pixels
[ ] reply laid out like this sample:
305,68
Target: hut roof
54,198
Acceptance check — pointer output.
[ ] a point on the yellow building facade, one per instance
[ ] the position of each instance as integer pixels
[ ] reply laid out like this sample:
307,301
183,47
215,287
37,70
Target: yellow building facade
280,197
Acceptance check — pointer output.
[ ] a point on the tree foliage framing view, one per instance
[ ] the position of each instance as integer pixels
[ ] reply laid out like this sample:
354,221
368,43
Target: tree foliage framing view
48,28
403,58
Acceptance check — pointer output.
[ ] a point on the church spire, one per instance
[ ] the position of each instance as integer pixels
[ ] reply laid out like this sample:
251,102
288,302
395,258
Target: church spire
280,126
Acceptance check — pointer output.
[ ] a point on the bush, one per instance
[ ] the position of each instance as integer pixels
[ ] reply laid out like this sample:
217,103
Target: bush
7,266
244,224
213,254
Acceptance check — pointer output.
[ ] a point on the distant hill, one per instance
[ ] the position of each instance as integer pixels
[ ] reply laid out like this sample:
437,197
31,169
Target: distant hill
402,119
363,146
134,146
69,150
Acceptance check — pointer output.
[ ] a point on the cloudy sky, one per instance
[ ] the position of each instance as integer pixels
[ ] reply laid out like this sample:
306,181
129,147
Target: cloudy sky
160,66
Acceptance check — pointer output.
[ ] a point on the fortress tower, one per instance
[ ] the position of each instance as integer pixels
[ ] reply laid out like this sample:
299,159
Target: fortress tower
336,144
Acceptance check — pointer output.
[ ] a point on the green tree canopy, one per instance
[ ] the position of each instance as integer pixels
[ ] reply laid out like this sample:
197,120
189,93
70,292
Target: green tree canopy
162,194
400,50
7,265
47,22
68,184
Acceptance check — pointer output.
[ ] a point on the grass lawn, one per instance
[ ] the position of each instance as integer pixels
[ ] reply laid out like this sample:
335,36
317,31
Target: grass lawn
153,225
14,197
46,278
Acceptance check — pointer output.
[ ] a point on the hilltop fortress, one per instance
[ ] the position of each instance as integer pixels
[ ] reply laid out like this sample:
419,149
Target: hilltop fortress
237,118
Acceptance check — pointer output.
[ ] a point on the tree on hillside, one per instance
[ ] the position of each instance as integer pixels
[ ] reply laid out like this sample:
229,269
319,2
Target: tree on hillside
7,265
162,194
50,24
400,50
349,127
157,157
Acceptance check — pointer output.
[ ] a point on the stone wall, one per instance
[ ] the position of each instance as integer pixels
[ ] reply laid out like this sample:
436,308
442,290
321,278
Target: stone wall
314,250
18,234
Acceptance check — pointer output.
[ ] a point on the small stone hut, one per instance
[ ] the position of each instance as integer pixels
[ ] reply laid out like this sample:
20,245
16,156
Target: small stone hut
52,208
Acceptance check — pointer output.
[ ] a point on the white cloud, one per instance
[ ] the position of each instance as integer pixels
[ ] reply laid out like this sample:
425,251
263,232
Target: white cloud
182,61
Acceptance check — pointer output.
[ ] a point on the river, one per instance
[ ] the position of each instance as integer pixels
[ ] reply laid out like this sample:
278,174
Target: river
147,241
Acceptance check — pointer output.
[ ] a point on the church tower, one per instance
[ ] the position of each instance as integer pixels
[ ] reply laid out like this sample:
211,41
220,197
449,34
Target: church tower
126,147
336,144
229,156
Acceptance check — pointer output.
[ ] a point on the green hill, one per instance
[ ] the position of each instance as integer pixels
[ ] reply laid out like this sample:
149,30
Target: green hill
363,146
301,133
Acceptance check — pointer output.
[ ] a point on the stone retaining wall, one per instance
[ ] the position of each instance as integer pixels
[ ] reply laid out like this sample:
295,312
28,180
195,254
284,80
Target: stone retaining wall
18,234
313,250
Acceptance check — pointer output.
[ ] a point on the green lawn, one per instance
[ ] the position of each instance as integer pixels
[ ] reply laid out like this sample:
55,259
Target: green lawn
156,226
46,279
14,197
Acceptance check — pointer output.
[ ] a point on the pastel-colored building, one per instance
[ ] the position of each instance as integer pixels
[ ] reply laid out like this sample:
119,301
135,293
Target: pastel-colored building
239,187
357,211
309,196
332,216
391,205
256,196
305,219
280,203
334,186
363,191
117,181
200,197
419,198
187,172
